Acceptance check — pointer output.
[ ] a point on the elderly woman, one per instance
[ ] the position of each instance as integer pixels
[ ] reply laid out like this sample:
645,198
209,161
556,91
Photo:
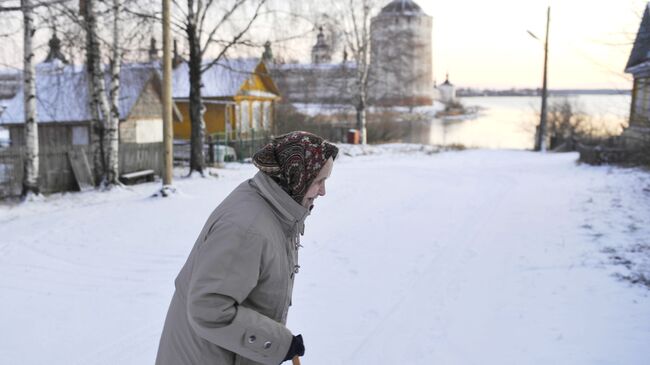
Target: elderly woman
233,293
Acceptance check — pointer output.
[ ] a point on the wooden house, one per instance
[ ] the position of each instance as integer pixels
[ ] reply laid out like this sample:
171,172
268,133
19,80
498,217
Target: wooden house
239,98
639,66
64,124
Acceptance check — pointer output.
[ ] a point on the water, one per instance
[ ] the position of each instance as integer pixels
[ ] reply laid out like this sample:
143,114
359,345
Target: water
509,122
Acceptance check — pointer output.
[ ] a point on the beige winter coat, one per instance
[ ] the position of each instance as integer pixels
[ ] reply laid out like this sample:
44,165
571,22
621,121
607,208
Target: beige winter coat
233,293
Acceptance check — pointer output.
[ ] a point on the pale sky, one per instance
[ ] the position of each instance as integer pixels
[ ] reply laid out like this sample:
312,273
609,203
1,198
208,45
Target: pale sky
485,43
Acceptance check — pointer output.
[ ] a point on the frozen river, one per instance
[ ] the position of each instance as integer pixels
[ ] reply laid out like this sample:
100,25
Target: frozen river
509,122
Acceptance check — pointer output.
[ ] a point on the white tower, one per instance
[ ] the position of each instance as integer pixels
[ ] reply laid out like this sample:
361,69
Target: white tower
401,64
447,91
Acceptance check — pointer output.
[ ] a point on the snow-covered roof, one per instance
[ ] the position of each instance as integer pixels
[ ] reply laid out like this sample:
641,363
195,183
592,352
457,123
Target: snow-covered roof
223,79
62,93
307,66
402,7
641,49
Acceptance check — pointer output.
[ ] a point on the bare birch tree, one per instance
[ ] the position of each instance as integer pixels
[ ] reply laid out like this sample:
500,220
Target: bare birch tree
99,105
357,39
112,127
31,184
30,177
353,20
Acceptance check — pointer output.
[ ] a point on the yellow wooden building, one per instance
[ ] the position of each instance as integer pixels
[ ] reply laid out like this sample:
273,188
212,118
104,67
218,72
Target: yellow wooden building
239,97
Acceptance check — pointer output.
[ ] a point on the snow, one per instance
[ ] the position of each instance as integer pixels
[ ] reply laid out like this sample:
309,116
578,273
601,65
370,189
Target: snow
414,256
313,109
225,78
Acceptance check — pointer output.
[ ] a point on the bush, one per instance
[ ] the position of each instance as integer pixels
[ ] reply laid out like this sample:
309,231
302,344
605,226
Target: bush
382,126
567,125
331,127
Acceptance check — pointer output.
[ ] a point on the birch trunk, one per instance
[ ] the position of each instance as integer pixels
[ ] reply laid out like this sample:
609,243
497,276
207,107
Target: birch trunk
361,120
99,101
112,132
362,47
30,176
197,158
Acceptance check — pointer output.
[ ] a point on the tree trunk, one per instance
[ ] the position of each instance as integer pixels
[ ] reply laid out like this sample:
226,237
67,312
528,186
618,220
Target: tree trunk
361,120
112,132
99,101
30,177
197,158
168,129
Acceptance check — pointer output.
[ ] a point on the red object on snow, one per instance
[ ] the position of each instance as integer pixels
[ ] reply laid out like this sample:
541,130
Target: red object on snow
353,136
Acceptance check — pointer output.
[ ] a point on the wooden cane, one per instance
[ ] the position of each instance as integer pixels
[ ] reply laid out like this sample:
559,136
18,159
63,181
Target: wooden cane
296,360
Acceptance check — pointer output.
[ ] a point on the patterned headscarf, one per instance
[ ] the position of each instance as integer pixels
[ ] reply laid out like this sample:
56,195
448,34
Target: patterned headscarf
294,160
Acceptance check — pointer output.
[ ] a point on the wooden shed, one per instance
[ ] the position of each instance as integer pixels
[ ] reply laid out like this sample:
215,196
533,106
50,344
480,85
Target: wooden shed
65,121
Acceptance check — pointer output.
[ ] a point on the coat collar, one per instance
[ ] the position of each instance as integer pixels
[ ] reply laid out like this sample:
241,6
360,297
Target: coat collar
291,214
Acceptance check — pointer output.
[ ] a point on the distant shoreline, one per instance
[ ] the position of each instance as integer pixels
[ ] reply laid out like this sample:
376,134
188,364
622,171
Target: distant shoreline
464,93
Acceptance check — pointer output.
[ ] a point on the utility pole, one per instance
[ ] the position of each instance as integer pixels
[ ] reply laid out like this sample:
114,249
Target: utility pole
540,144
168,133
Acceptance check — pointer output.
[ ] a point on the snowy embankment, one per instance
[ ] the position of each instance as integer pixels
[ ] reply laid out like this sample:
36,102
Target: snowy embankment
413,257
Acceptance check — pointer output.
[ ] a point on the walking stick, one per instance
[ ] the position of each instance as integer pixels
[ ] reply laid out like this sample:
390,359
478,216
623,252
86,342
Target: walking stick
296,360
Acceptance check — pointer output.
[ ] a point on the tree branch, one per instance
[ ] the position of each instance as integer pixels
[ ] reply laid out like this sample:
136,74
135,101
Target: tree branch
235,39
225,17
4,9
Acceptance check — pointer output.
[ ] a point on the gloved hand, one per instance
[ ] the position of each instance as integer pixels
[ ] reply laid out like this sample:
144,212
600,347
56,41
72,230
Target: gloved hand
297,348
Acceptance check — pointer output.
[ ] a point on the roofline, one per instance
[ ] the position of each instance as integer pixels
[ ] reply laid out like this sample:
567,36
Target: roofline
637,67
204,101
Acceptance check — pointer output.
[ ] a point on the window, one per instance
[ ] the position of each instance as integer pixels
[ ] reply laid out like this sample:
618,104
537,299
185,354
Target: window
80,136
257,116
645,97
266,120
5,138
244,121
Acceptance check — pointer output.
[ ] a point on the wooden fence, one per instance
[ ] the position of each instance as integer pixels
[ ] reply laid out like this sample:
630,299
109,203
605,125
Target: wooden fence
135,156
55,170
244,146
11,171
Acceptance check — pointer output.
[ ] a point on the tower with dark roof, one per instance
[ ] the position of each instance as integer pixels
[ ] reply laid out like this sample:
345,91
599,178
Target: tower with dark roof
401,60
320,52
153,50
447,91
55,50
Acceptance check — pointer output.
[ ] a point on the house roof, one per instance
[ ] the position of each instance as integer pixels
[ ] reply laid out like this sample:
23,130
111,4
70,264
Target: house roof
402,7
223,79
641,49
62,93
314,66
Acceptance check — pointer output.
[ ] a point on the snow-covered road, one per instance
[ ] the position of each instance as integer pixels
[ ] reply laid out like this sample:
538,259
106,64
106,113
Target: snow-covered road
473,257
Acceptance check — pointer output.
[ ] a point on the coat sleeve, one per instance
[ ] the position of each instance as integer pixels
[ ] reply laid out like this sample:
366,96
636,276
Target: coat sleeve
226,270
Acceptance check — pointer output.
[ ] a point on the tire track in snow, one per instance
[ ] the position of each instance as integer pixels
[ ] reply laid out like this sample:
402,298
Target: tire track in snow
451,252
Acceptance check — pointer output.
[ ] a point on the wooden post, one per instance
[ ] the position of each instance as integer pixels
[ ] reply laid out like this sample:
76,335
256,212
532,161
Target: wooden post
168,132
541,140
